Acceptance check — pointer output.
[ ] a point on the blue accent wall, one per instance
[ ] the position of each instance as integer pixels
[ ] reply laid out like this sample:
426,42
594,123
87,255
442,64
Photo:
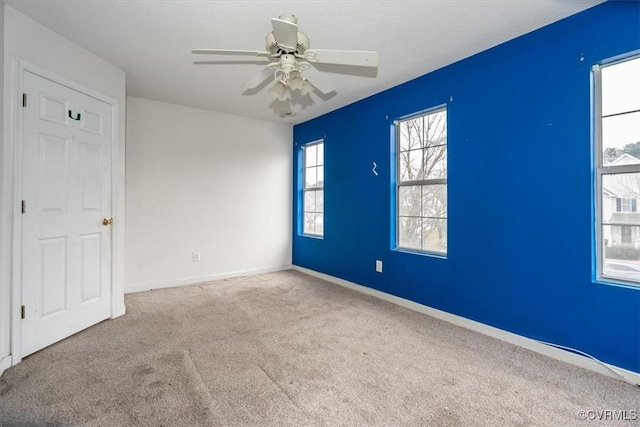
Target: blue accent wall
521,217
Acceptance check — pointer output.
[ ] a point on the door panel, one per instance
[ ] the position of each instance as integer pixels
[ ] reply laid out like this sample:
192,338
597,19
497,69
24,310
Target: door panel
52,174
52,281
91,188
53,109
90,121
90,256
66,184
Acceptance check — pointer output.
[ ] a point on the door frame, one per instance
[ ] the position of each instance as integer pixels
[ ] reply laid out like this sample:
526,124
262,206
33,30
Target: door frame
14,142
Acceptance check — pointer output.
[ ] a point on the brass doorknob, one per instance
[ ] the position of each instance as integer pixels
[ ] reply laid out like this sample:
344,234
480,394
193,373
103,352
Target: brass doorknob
107,221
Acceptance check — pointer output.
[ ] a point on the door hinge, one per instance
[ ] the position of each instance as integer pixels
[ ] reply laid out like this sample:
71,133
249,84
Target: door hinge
24,206
24,99
22,310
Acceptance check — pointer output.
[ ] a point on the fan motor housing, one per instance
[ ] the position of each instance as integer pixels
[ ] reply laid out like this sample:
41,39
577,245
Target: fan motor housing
302,45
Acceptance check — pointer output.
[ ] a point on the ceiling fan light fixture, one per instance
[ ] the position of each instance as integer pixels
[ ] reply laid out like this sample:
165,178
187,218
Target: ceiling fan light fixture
280,91
296,81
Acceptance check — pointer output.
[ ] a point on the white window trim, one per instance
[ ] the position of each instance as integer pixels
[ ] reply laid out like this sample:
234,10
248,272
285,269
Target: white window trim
600,170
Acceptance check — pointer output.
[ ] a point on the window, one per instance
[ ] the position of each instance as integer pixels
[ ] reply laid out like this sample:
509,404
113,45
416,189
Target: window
421,182
617,137
625,205
313,190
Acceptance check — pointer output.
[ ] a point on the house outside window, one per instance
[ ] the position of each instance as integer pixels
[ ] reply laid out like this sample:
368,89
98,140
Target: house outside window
626,204
617,137
421,182
313,189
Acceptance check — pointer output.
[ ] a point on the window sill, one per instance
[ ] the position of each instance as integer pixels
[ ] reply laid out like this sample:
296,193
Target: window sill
312,236
437,255
607,281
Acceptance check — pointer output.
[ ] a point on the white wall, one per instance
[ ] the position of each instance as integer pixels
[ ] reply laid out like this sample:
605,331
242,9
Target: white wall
5,301
29,41
208,182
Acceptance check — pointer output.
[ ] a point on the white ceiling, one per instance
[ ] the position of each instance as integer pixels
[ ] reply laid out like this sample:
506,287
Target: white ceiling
152,40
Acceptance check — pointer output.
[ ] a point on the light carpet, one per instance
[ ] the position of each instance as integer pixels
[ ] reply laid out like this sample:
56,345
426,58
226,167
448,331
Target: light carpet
287,349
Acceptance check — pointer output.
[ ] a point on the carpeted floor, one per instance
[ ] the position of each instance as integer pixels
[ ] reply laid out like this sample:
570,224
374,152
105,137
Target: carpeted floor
286,349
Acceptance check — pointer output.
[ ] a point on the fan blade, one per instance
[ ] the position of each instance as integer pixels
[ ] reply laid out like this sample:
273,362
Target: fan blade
232,62
285,33
229,52
342,57
259,78
316,78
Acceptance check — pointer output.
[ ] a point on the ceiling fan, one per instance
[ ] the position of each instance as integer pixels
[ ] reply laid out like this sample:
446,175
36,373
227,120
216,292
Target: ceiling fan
292,61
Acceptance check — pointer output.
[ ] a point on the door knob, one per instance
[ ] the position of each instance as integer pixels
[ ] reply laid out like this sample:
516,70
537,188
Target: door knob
107,221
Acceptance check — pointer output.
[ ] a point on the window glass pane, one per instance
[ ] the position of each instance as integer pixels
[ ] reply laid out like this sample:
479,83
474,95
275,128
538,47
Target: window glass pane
409,233
621,246
309,201
320,176
310,177
411,165
423,131
319,224
435,128
409,139
319,200
320,154
434,201
434,235
435,162
620,193
621,139
409,200
309,223
621,87
310,157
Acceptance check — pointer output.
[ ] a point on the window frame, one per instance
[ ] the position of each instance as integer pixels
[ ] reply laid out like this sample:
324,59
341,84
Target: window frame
313,189
398,183
600,170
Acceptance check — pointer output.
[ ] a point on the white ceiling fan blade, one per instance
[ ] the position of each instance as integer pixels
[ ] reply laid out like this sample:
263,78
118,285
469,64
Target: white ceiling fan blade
342,57
259,78
230,52
232,62
316,78
285,33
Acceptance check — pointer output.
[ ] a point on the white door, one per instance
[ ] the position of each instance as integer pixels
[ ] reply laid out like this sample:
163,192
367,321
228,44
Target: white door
66,188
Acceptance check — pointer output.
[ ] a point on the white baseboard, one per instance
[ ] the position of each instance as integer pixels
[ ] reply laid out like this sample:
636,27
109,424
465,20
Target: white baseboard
510,337
5,363
202,279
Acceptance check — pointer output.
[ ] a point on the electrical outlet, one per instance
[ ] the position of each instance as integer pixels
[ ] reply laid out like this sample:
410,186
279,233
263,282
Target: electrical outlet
379,266
196,257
